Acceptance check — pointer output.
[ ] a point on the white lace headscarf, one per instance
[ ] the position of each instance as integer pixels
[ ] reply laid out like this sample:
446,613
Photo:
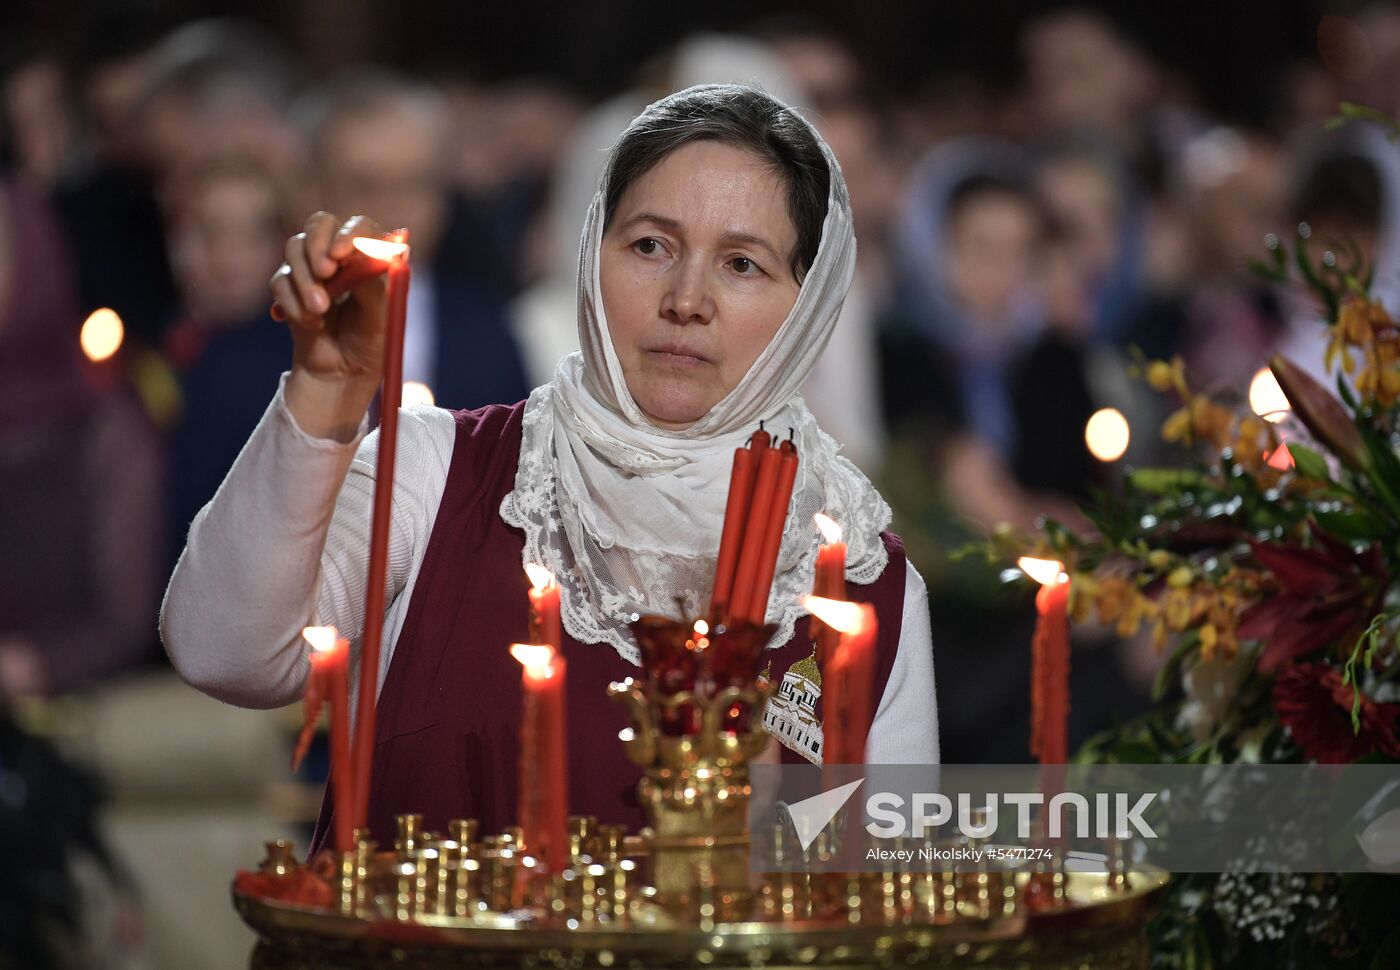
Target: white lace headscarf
628,515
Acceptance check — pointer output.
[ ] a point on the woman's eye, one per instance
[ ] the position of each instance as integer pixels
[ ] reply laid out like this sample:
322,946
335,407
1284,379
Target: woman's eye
647,246
744,266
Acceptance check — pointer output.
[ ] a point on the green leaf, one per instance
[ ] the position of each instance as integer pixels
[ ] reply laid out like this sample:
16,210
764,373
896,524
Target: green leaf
1353,525
1163,481
1345,392
1309,463
1167,676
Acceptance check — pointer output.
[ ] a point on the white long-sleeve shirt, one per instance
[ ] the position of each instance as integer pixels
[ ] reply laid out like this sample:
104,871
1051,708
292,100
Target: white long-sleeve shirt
283,545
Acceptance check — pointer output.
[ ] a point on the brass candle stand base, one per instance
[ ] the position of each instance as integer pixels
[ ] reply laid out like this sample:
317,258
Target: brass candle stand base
437,902
679,893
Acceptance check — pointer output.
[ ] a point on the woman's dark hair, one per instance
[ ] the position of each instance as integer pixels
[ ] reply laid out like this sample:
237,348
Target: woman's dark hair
744,118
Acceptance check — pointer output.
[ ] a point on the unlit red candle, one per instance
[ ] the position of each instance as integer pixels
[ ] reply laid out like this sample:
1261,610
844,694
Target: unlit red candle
773,533
736,511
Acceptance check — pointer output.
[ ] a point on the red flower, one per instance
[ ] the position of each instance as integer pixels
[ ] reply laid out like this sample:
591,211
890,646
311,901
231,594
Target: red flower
1315,705
1327,592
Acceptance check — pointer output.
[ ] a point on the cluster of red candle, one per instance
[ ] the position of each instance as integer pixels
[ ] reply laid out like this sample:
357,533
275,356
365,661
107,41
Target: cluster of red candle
760,488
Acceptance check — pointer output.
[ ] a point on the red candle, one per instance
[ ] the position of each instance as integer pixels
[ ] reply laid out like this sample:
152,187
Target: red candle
848,679
736,513
397,311
545,626
751,549
330,655
773,533
1049,662
829,580
543,800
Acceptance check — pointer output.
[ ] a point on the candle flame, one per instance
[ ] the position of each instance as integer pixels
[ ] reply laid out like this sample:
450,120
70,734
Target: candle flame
537,658
384,250
102,334
830,529
702,628
1046,572
1107,434
321,638
540,577
1266,397
1281,459
840,615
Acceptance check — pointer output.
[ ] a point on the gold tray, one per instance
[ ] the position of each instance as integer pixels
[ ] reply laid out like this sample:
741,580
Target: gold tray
1102,927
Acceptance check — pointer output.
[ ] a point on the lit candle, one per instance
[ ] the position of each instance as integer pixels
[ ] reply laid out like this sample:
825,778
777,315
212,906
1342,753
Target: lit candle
544,607
382,254
829,580
1049,661
330,655
848,679
543,800
397,311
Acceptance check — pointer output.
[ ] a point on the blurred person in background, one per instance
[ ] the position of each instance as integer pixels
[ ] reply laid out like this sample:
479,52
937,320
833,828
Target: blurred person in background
228,351
80,495
378,143
844,389
971,317
154,110
216,89
506,141
1342,196
985,371
1085,77
1093,197
1223,319
34,111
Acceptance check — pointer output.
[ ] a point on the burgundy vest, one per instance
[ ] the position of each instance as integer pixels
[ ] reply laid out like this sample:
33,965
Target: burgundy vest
447,728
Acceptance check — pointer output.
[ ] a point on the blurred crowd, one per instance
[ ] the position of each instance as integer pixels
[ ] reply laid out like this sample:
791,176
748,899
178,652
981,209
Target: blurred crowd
1018,239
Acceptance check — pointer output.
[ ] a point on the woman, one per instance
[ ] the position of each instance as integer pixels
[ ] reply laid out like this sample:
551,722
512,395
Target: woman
714,260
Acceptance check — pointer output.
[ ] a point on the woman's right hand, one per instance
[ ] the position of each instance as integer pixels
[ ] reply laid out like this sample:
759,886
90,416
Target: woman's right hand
337,346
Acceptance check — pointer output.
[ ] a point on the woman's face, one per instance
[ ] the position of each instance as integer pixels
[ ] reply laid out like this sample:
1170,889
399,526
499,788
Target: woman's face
695,275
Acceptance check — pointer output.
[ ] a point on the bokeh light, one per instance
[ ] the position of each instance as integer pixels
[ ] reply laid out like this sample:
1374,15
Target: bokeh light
1107,434
1266,398
102,334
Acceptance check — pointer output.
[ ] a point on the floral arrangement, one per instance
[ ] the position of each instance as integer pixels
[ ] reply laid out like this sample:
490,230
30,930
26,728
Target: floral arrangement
1266,567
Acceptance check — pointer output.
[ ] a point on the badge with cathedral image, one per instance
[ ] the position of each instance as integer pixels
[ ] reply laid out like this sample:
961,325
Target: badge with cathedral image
791,715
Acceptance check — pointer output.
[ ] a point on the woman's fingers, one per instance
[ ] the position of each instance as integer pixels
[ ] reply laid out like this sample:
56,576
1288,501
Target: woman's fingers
319,231
343,243
285,295
309,291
